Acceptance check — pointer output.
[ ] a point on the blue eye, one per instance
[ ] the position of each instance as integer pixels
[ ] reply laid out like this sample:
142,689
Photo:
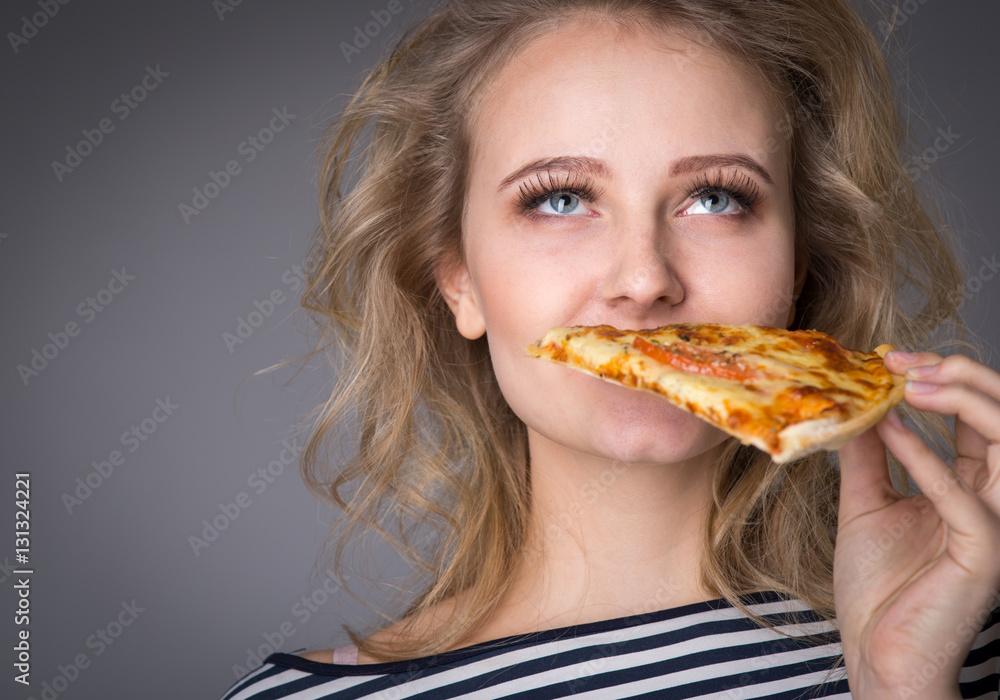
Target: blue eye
563,202
560,197
715,202
736,195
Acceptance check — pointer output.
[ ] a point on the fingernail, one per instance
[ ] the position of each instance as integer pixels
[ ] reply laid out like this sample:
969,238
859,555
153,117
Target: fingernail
921,387
895,421
922,371
901,356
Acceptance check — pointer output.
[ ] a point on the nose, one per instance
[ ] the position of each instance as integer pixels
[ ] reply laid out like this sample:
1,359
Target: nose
640,276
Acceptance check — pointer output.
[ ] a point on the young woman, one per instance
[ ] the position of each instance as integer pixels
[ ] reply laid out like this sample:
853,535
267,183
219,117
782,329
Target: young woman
540,163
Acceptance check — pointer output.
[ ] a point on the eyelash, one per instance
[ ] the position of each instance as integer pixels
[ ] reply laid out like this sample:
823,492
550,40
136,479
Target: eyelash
533,195
738,187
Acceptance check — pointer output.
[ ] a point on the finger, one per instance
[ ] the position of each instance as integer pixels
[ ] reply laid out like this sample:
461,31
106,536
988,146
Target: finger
954,369
973,472
963,510
963,370
969,442
975,409
897,361
865,485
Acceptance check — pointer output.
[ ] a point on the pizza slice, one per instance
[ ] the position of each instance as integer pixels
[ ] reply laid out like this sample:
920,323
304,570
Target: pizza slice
790,393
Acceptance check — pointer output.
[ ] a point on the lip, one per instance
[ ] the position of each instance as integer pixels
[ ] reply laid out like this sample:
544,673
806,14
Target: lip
632,326
586,379
605,404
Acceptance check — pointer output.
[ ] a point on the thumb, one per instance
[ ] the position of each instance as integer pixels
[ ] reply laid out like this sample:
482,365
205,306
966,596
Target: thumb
865,485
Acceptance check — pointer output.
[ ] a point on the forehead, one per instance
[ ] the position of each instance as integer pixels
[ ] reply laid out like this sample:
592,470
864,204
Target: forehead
591,88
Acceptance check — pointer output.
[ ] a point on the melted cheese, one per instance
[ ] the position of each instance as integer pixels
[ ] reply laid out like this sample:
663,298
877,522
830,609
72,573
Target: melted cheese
766,386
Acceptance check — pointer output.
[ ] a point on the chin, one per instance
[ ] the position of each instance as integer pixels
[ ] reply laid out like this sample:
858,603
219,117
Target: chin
636,447
646,428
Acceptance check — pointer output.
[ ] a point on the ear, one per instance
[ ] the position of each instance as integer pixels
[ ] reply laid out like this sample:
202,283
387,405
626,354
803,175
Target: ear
456,287
801,271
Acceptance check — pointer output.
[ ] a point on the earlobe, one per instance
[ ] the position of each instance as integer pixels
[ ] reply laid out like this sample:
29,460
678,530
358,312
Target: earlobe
460,295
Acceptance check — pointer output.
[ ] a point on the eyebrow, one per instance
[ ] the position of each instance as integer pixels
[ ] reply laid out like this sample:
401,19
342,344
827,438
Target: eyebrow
597,167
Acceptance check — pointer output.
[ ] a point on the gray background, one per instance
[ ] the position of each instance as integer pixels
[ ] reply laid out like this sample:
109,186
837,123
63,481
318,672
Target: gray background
162,336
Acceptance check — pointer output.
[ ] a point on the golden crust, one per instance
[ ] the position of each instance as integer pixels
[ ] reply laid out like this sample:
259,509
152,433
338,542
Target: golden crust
790,393
801,440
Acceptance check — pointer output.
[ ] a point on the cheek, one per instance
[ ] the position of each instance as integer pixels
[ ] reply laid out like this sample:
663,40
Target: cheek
525,288
520,306
776,297
745,282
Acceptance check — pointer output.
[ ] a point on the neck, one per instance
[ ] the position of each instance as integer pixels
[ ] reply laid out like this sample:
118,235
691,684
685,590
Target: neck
608,539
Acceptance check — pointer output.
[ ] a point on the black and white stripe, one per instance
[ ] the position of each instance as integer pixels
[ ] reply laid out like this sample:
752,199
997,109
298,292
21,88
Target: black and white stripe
703,650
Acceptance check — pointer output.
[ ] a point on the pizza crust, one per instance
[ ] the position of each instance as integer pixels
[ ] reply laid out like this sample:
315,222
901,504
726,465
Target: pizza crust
801,439
610,356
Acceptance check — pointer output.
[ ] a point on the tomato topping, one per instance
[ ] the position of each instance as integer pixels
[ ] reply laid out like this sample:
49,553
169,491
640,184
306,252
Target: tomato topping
690,358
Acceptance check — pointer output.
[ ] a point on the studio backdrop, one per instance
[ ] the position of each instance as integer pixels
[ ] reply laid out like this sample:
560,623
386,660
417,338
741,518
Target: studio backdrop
159,196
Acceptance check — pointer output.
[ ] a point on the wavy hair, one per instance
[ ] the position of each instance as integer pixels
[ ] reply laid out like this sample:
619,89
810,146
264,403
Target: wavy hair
441,466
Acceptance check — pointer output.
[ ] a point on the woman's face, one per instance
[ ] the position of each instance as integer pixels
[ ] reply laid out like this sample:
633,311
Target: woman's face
628,181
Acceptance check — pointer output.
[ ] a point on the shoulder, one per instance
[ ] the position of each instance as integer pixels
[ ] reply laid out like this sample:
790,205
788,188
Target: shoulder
421,627
346,655
323,657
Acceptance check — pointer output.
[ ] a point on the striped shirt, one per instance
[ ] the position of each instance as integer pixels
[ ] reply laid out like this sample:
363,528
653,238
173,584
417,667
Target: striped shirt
703,650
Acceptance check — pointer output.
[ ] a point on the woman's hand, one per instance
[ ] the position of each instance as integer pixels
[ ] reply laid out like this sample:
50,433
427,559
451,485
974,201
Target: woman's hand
915,578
